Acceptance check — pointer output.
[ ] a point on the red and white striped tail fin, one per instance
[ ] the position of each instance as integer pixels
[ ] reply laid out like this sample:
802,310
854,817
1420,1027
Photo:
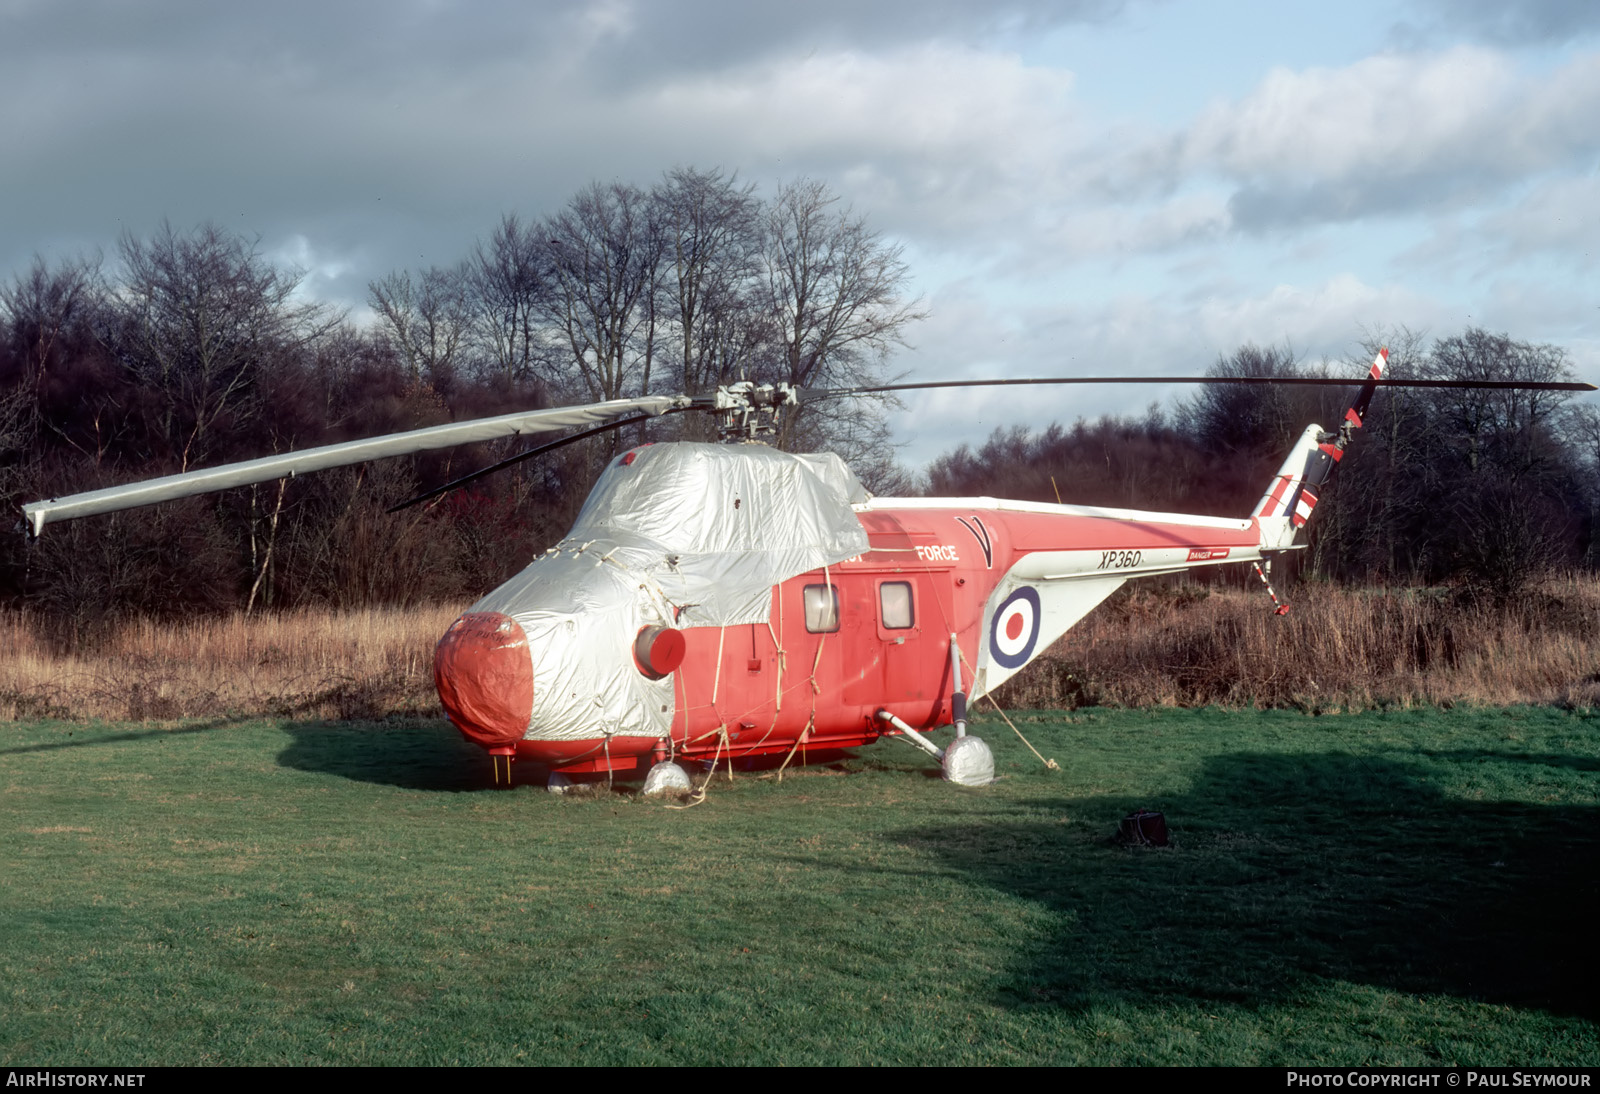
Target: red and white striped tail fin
1293,493
1311,462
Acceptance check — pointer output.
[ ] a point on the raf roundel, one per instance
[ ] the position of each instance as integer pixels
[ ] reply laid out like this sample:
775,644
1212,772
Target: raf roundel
1014,629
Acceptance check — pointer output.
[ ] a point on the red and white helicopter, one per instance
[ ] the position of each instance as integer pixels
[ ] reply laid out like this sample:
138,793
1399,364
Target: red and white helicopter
735,601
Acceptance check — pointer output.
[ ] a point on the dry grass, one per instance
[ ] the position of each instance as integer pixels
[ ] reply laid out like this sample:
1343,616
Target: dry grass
316,664
1152,645
1337,649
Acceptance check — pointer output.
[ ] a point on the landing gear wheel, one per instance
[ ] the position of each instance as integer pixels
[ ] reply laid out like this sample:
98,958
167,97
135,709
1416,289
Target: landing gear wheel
968,762
666,777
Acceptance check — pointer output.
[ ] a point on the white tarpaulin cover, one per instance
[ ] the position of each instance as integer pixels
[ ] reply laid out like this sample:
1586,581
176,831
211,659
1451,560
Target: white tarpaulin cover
675,535
968,762
718,526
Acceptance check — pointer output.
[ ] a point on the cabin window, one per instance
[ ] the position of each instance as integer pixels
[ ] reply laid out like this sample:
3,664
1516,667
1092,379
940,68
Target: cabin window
822,608
894,605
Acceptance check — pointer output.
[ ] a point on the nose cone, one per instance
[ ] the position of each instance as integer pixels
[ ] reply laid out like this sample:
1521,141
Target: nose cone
485,677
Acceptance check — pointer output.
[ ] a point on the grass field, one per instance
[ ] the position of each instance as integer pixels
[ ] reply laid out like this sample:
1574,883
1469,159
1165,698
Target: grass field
1415,887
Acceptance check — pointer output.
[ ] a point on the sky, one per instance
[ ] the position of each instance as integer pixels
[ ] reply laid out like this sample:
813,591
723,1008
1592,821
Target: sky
1079,186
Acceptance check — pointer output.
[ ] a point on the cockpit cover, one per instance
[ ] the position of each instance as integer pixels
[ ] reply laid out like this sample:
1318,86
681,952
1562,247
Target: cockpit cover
674,535
717,526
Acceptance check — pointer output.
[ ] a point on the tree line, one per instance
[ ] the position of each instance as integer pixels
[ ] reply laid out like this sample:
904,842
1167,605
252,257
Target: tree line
191,348
1482,490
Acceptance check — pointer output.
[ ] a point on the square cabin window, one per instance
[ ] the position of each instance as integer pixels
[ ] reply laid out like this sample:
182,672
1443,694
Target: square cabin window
822,608
894,605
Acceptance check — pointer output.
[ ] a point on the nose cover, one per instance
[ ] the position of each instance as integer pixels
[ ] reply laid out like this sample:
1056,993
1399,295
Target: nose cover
580,614
484,674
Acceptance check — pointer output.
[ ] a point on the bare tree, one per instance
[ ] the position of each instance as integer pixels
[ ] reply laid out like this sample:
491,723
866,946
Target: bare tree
712,244
1508,476
509,277
45,306
835,293
606,261
1509,428
1372,524
1480,487
201,315
1256,418
426,321
50,316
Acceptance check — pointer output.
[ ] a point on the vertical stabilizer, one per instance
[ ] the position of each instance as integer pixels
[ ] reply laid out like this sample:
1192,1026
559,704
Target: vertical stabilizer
1292,495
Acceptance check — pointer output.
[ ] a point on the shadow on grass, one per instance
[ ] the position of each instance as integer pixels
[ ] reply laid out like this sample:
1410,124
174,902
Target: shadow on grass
431,755
89,735
423,754
1291,869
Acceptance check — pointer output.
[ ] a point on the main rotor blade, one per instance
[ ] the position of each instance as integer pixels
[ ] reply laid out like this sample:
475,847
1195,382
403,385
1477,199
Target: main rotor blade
1301,381
206,480
527,454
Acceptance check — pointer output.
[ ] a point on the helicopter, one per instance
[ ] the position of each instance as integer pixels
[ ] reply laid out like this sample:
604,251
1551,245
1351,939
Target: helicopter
736,602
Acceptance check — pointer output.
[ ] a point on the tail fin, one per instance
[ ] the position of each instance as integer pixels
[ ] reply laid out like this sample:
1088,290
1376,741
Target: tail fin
1310,465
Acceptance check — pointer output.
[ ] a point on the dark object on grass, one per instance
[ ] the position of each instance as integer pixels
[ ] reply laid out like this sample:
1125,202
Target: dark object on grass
1144,828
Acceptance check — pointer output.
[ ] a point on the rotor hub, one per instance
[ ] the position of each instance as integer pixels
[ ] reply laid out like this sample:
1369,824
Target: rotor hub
748,411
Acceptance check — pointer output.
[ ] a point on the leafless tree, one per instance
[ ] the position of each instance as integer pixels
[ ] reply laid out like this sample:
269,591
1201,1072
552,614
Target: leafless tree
50,315
835,292
606,253
509,276
44,306
711,249
1510,428
1479,487
1513,482
425,321
1368,525
200,315
1240,418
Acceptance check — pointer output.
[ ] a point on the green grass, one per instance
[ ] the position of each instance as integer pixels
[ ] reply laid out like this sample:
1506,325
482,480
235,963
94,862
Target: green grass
1406,888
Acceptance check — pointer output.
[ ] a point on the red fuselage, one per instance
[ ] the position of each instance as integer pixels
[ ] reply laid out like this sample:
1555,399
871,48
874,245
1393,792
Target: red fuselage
814,677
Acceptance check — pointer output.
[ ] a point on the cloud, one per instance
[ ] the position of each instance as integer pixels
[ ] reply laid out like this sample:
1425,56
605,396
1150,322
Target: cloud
605,43
1391,134
1050,234
948,137
311,118
1524,22
1323,320
1115,230
712,35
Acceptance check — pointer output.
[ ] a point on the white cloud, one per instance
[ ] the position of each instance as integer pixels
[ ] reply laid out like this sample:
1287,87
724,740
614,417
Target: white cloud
324,275
1379,115
1085,230
1320,320
1391,133
938,134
